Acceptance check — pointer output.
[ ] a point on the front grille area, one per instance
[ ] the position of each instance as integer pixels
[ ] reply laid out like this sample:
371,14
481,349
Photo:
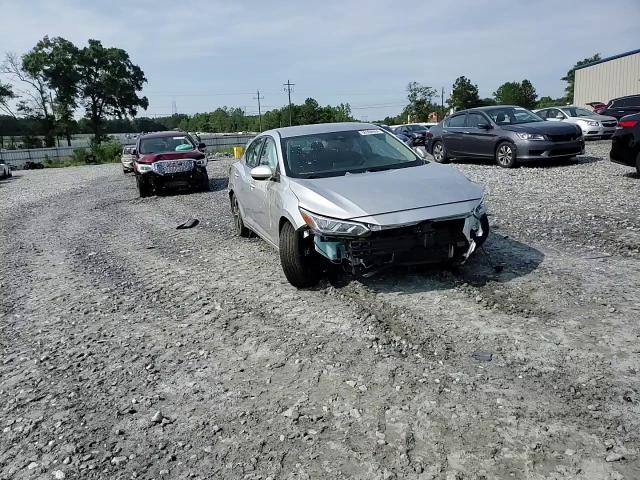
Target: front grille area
173,166
427,241
563,138
610,124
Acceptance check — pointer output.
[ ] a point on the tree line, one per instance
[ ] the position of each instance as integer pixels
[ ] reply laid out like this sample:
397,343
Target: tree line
422,100
56,79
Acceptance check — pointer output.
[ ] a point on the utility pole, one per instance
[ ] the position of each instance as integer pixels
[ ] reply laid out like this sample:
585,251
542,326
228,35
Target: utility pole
442,102
288,86
258,97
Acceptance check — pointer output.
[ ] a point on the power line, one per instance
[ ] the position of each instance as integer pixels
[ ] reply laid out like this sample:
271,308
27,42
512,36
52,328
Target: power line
288,86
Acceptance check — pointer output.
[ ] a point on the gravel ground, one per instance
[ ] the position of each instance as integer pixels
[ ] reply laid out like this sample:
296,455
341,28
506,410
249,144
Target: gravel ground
131,349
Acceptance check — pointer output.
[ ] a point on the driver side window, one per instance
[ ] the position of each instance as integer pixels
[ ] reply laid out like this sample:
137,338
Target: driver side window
269,155
251,155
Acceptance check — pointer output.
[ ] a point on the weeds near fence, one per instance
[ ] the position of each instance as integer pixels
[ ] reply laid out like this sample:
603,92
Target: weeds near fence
108,152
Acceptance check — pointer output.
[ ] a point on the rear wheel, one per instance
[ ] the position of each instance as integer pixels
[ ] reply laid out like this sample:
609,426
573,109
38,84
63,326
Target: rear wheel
144,187
439,152
241,230
506,155
302,271
638,164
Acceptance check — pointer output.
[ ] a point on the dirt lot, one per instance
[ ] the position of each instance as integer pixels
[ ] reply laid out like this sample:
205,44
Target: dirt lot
131,349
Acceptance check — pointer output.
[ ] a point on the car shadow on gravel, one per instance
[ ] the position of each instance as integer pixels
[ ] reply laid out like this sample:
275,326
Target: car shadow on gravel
215,185
13,178
632,175
547,163
501,260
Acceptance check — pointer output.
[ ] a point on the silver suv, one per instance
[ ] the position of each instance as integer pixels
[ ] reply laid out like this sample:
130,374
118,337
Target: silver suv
352,195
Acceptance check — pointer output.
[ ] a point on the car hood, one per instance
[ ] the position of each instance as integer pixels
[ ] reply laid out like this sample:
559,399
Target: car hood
157,157
551,128
376,193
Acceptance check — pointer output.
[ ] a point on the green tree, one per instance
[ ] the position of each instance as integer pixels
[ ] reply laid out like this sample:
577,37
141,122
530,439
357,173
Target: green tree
529,95
464,94
108,85
546,101
420,101
55,60
570,77
36,102
509,93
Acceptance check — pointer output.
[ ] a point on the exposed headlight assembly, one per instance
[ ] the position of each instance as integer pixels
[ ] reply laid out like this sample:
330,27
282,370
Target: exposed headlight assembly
480,209
331,226
530,136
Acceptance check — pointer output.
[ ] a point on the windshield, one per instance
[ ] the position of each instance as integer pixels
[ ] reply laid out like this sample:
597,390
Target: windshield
512,116
577,112
173,143
338,153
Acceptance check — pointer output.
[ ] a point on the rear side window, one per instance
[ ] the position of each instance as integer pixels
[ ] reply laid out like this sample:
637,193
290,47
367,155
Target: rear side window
457,121
633,101
475,119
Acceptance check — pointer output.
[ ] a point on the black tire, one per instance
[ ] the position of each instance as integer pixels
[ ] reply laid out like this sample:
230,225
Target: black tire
506,155
439,152
302,271
144,188
638,164
203,184
484,223
241,230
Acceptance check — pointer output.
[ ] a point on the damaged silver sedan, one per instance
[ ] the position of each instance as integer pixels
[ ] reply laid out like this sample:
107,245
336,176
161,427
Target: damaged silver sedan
352,195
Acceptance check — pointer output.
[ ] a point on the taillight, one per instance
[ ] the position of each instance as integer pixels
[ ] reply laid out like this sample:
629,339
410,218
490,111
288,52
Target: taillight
627,123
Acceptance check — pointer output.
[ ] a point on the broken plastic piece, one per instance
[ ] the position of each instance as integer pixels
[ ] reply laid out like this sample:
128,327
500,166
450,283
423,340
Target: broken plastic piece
332,250
192,222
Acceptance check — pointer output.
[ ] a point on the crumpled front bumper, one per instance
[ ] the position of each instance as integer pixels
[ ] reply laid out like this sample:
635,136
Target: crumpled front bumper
430,241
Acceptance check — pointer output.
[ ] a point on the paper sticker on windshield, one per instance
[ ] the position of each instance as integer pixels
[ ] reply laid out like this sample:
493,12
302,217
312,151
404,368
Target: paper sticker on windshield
370,132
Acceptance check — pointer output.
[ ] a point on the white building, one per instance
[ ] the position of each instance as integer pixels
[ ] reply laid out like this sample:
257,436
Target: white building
609,78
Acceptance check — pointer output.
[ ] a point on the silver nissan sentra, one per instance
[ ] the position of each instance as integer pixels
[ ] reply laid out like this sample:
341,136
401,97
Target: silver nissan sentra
352,195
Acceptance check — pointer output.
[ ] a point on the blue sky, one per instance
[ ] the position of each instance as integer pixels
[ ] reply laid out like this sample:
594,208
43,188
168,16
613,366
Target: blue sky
205,54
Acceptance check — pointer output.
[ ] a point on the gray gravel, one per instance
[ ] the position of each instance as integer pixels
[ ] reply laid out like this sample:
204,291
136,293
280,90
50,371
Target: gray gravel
131,349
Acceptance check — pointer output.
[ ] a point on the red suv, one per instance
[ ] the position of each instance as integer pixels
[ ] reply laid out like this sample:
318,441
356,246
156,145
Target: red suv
169,159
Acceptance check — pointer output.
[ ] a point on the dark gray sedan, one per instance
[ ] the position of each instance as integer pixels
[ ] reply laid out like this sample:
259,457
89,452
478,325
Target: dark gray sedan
507,134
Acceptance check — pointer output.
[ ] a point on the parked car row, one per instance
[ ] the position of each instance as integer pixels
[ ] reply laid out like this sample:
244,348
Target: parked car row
166,160
593,125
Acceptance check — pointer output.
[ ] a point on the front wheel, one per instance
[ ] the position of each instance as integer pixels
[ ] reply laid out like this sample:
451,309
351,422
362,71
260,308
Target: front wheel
241,230
302,271
506,155
439,153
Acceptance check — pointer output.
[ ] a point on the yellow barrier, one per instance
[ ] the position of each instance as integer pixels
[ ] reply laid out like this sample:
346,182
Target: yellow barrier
237,152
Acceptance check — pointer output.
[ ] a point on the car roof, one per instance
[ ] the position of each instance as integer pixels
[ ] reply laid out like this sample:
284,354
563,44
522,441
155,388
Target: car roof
167,133
297,131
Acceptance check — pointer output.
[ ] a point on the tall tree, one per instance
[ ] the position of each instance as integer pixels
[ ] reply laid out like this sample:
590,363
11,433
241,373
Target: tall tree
464,94
420,101
570,77
36,102
529,95
517,93
108,85
55,60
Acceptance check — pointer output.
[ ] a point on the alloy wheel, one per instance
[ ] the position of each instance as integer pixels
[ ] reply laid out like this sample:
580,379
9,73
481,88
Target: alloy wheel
235,211
505,155
438,152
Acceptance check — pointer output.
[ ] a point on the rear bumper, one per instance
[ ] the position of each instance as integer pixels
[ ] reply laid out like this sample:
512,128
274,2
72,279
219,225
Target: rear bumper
624,150
539,150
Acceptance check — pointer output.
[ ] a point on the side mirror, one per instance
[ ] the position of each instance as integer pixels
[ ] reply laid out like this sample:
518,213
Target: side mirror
202,147
134,152
261,172
485,126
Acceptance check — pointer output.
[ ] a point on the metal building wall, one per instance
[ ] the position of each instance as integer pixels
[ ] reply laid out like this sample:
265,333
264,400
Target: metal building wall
602,82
